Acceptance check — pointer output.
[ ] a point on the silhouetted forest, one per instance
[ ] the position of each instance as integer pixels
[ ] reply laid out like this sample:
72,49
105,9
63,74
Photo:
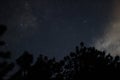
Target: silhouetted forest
85,62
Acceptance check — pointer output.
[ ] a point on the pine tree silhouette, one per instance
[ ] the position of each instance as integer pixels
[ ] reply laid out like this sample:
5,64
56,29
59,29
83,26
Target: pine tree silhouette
85,62
5,67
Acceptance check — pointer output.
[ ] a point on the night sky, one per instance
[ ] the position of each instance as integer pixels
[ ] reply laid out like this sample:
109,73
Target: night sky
53,27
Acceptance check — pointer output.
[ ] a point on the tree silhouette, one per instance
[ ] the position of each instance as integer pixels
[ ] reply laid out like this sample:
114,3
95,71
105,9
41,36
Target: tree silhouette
3,28
85,62
5,67
82,64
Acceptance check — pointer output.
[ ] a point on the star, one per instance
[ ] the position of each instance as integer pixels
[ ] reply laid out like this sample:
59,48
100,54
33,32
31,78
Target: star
85,21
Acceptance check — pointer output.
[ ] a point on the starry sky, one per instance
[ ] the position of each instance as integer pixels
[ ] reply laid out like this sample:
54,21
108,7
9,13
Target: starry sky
54,27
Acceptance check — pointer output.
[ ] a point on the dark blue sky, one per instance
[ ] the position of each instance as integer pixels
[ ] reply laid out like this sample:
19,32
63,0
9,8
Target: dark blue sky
52,27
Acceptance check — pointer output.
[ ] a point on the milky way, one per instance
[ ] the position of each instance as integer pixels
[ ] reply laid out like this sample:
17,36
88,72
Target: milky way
25,20
52,27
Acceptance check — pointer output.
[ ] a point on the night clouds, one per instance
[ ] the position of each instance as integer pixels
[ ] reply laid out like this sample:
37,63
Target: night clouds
110,41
